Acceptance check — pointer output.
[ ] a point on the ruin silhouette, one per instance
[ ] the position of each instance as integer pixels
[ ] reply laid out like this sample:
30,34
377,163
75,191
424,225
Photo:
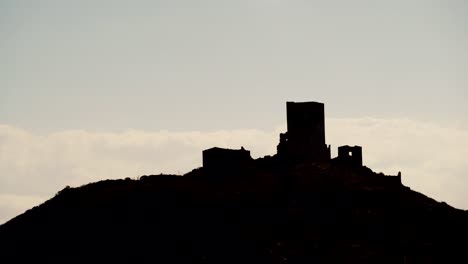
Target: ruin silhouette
303,142
305,138
297,206
217,159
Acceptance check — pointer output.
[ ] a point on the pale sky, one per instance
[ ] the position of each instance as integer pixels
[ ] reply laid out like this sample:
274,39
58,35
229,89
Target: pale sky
101,89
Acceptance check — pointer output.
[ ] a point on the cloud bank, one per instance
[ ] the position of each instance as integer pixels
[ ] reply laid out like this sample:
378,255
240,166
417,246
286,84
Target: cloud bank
34,167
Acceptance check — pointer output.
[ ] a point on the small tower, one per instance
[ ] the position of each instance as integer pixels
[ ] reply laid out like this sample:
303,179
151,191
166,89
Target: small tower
349,156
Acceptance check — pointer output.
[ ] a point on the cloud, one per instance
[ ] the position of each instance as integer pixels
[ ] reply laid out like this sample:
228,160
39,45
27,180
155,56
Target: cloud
34,167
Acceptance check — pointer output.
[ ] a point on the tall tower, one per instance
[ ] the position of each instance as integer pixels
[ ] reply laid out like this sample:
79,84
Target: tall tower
305,138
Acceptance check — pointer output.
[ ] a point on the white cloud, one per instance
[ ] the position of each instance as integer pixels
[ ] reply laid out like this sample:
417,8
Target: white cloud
33,168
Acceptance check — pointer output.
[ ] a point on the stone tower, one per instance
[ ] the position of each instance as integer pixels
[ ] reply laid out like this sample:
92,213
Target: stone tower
305,138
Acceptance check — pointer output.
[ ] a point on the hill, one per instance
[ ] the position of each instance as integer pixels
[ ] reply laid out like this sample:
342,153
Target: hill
310,213
298,206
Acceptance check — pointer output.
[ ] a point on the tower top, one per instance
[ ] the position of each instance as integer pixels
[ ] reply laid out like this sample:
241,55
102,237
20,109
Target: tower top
304,103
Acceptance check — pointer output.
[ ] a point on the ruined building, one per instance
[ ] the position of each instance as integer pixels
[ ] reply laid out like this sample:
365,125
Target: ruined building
349,156
226,160
304,141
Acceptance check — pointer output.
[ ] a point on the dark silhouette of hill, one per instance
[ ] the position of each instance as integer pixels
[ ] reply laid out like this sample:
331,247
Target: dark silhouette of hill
298,206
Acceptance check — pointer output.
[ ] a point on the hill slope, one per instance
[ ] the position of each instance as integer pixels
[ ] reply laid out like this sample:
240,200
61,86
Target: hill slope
311,213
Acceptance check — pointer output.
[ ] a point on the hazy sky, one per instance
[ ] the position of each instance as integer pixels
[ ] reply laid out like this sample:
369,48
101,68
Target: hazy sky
106,88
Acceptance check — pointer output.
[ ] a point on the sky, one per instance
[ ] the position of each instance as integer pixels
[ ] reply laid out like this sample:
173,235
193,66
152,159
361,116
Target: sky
99,89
